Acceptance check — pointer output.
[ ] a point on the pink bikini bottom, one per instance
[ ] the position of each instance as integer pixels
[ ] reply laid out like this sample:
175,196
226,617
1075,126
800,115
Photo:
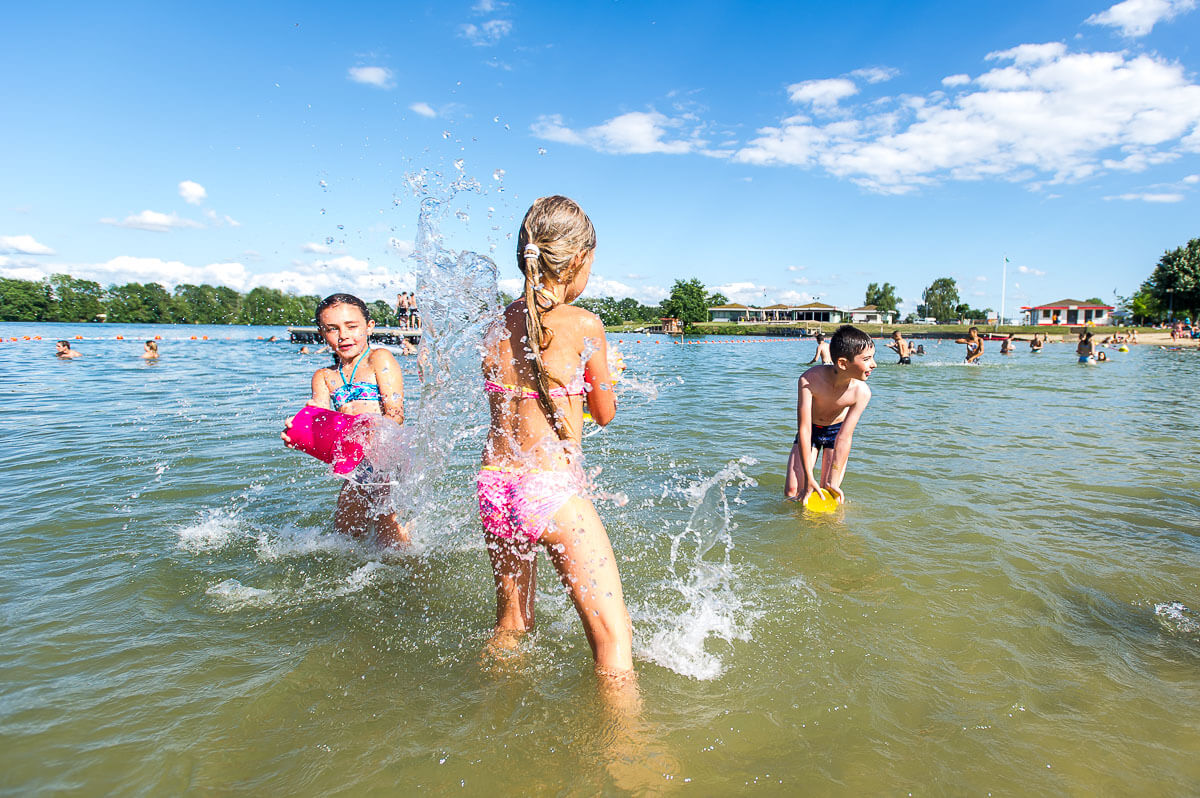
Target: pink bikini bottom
521,504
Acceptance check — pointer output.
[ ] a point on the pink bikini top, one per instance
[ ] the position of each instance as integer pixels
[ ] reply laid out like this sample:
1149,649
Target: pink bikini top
575,388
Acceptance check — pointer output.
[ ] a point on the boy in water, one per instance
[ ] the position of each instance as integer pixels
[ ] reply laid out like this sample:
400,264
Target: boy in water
830,400
902,348
822,352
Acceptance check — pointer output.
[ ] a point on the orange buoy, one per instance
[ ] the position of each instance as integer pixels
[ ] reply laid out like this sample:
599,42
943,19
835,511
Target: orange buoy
120,337
193,338
158,338
78,337
205,337
37,337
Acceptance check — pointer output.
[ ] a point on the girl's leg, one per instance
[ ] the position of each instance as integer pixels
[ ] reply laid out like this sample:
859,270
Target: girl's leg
353,515
581,552
388,529
791,480
514,566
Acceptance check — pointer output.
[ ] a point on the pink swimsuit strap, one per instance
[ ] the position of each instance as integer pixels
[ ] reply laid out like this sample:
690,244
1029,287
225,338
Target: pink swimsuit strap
574,389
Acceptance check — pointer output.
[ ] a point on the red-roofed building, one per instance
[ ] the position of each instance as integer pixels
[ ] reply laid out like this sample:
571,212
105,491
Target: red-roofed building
1068,312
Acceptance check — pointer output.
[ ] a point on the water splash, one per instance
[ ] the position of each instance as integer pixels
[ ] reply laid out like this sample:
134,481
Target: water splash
699,602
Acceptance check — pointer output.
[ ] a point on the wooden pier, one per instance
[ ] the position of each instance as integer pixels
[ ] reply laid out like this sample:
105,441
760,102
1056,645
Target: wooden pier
393,336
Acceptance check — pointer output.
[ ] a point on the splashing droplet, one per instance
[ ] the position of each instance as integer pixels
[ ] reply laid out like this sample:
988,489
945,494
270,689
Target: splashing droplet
341,227
324,186
459,164
322,211
462,216
541,150
445,134
498,174
328,240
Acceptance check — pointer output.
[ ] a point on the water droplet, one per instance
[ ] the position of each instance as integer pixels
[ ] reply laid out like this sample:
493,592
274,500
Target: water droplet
341,227
324,186
506,127
495,119
459,164
322,211
541,150
445,134
498,174
328,240
462,216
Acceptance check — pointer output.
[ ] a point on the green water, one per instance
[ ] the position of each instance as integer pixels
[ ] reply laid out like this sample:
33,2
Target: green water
1008,605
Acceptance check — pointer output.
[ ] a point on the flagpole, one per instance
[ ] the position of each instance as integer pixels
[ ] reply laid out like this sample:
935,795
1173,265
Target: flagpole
1003,292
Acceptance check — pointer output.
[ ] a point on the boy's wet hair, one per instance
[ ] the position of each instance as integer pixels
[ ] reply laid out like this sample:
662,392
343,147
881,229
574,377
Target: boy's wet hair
820,336
848,341
341,299
67,344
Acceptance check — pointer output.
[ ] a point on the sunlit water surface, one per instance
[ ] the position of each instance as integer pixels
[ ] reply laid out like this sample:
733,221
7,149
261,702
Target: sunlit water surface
1008,604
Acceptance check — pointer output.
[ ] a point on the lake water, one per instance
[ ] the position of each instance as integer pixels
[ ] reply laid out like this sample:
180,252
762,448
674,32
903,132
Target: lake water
1009,604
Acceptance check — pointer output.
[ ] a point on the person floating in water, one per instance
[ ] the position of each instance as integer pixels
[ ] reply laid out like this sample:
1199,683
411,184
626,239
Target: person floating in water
830,401
1006,346
64,351
974,345
1036,343
822,352
902,348
360,381
544,360
150,350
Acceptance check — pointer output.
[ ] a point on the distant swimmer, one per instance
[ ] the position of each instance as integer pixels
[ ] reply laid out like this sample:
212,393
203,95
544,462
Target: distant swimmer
1006,346
150,350
920,350
1101,356
1086,350
1035,343
830,400
902,348
65,352
974,345
822,352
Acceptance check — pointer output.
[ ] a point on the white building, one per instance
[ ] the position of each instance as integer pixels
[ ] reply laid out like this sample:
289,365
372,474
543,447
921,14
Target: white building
869,314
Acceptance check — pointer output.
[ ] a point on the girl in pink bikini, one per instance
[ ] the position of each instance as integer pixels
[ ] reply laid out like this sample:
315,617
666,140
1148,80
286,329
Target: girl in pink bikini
544,360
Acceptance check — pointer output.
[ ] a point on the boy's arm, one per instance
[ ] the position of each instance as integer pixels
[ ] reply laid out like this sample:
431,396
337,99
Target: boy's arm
845,438
978,352
390,382
804,433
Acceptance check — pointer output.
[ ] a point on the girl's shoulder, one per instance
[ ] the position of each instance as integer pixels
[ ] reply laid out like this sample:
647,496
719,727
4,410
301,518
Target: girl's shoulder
379,357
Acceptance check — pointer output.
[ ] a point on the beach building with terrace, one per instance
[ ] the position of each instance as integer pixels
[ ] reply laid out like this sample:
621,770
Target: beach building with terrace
736,313
1068,312
869,314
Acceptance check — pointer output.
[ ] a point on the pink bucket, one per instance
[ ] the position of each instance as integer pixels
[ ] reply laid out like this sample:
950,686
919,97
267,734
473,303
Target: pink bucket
329,436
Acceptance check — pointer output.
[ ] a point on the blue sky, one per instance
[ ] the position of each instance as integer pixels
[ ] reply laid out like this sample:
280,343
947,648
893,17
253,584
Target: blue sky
781,152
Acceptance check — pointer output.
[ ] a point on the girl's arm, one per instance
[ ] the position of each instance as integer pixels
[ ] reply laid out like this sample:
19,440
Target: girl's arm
601,398
320,391
845,438
391,384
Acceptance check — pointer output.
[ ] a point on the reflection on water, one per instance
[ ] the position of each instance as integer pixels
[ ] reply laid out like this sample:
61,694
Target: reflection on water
1007,604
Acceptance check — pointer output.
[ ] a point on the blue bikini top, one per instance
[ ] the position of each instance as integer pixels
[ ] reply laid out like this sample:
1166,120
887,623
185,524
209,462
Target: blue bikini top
352,391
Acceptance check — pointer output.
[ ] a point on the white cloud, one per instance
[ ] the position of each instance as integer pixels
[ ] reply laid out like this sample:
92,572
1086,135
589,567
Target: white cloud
1046,116
1137,17
321,277
951,81
876,74
315,248
980,279
637,132
513,286
153,221
401,247
488,6
380,77
1190,179
423,109
221,219
1030,270
193,193
23,245
487,33
822,94
1148,197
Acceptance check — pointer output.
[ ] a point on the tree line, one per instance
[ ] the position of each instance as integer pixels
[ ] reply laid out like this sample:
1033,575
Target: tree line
1172,290
62,298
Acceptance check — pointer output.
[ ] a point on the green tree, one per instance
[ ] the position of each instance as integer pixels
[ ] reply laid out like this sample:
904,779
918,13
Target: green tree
75,299
137,303
1175,282
969,314
688,302
24,300
882,297
383,313
940,299
717,298
1142,305
272,307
